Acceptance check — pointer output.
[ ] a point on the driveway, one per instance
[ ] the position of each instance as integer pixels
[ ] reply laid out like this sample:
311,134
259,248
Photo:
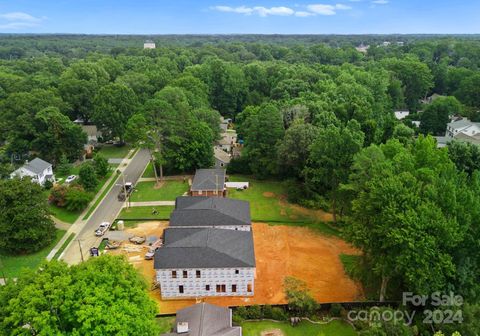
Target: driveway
106,211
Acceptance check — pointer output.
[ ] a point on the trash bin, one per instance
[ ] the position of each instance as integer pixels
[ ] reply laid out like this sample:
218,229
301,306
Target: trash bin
120,225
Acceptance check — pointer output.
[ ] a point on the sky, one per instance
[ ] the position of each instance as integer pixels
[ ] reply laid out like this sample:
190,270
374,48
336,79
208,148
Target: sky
240,17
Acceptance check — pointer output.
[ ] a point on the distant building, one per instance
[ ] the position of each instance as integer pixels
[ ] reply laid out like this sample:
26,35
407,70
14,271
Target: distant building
92,134
401,114
222,158
205,262
37,169
362,48
149,44
462,126
400,43
208,182
386,44
204,319
430,99
211,212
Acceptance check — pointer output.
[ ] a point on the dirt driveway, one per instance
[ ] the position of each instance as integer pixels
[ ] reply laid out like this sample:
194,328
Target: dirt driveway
280,251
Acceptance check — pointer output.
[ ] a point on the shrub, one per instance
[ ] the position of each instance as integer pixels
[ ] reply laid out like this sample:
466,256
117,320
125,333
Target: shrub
239,166
64,167
77,199
47,185
240,314
298,297
336,310
279,314
57,195
101,165
88,177
254,312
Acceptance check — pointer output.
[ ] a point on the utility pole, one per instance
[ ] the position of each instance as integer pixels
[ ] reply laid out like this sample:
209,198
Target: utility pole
80,247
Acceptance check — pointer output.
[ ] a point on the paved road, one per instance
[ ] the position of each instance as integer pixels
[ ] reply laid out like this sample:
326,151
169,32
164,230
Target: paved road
107,210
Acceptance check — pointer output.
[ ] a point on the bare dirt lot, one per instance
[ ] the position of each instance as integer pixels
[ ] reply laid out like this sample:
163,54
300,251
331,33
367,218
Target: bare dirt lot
280,251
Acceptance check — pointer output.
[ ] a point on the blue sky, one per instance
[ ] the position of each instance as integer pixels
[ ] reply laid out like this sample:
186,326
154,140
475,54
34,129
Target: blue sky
235,16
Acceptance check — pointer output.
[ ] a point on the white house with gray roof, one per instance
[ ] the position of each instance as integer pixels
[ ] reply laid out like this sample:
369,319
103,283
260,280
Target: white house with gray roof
204,319
211,212
37,169
464,126
203,262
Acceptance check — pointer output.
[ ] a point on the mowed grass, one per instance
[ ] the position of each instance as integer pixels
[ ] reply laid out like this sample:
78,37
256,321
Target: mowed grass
146,191
12,266
149,171
304,328
145,212
165,323
114,152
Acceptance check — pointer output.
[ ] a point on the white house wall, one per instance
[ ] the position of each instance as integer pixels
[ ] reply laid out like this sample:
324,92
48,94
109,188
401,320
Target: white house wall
194,287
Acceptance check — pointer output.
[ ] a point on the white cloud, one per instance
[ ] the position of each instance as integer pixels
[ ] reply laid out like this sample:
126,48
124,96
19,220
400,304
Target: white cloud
19,20
312,10
380,2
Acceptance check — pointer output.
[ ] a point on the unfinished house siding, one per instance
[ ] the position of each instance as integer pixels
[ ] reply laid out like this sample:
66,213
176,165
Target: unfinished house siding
194,287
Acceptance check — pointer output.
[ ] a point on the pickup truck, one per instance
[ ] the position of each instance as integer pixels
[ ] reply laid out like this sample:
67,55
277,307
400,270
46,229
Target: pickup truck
127,188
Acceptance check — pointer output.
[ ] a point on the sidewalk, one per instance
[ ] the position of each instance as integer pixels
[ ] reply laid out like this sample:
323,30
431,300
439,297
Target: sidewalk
80,223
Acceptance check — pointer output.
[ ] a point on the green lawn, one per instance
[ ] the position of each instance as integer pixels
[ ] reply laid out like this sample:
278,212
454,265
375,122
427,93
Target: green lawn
350,263
63,214
146,212
165,323
74,171
334,328
145,191
13,265
114,152
149,171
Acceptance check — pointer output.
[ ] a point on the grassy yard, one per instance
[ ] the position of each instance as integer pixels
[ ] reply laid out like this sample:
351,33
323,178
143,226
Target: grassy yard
268,202
146,213
13,265
165,323
114,152
149,171
145,191
64,246
334,328
63,214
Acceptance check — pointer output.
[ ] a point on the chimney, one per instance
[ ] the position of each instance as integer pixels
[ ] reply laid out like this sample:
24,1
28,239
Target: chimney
182,327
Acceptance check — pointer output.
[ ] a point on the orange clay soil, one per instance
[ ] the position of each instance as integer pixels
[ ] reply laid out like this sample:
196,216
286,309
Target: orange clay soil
280,251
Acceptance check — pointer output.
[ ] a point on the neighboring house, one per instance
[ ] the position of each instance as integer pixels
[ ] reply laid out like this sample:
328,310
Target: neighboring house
37,169
149,44
227,142
386,44
204,319
222,158
463,125
211,212
362,48
92,134
208,182
204,262
430,99
401,114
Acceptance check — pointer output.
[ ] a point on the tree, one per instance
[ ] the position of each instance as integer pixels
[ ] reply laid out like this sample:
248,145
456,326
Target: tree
100,163
102,296
114,105
57,136
331,156
25,224
88,177
294,149
262,130
468,91
403,133
298,297
466,156
64,167
436,115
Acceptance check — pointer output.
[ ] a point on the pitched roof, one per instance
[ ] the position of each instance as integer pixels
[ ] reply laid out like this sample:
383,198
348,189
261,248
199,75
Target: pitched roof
460,124
205,248
37,165
208,179
221,155
210,211
205,319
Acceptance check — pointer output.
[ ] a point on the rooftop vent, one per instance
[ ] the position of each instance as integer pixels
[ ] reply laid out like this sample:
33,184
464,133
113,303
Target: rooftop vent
182,327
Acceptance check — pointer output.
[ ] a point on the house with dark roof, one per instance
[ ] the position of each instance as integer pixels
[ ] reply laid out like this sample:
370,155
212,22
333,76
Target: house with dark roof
208,182
37,169
204,319
211,212
202,262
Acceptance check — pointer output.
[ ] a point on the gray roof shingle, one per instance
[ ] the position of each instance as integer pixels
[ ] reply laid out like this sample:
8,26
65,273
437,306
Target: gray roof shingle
37,165
205,248
205,319
208,179
210,211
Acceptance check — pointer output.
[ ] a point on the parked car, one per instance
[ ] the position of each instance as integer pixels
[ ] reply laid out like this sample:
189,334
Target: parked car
150,254
102,229
70,179
128,188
